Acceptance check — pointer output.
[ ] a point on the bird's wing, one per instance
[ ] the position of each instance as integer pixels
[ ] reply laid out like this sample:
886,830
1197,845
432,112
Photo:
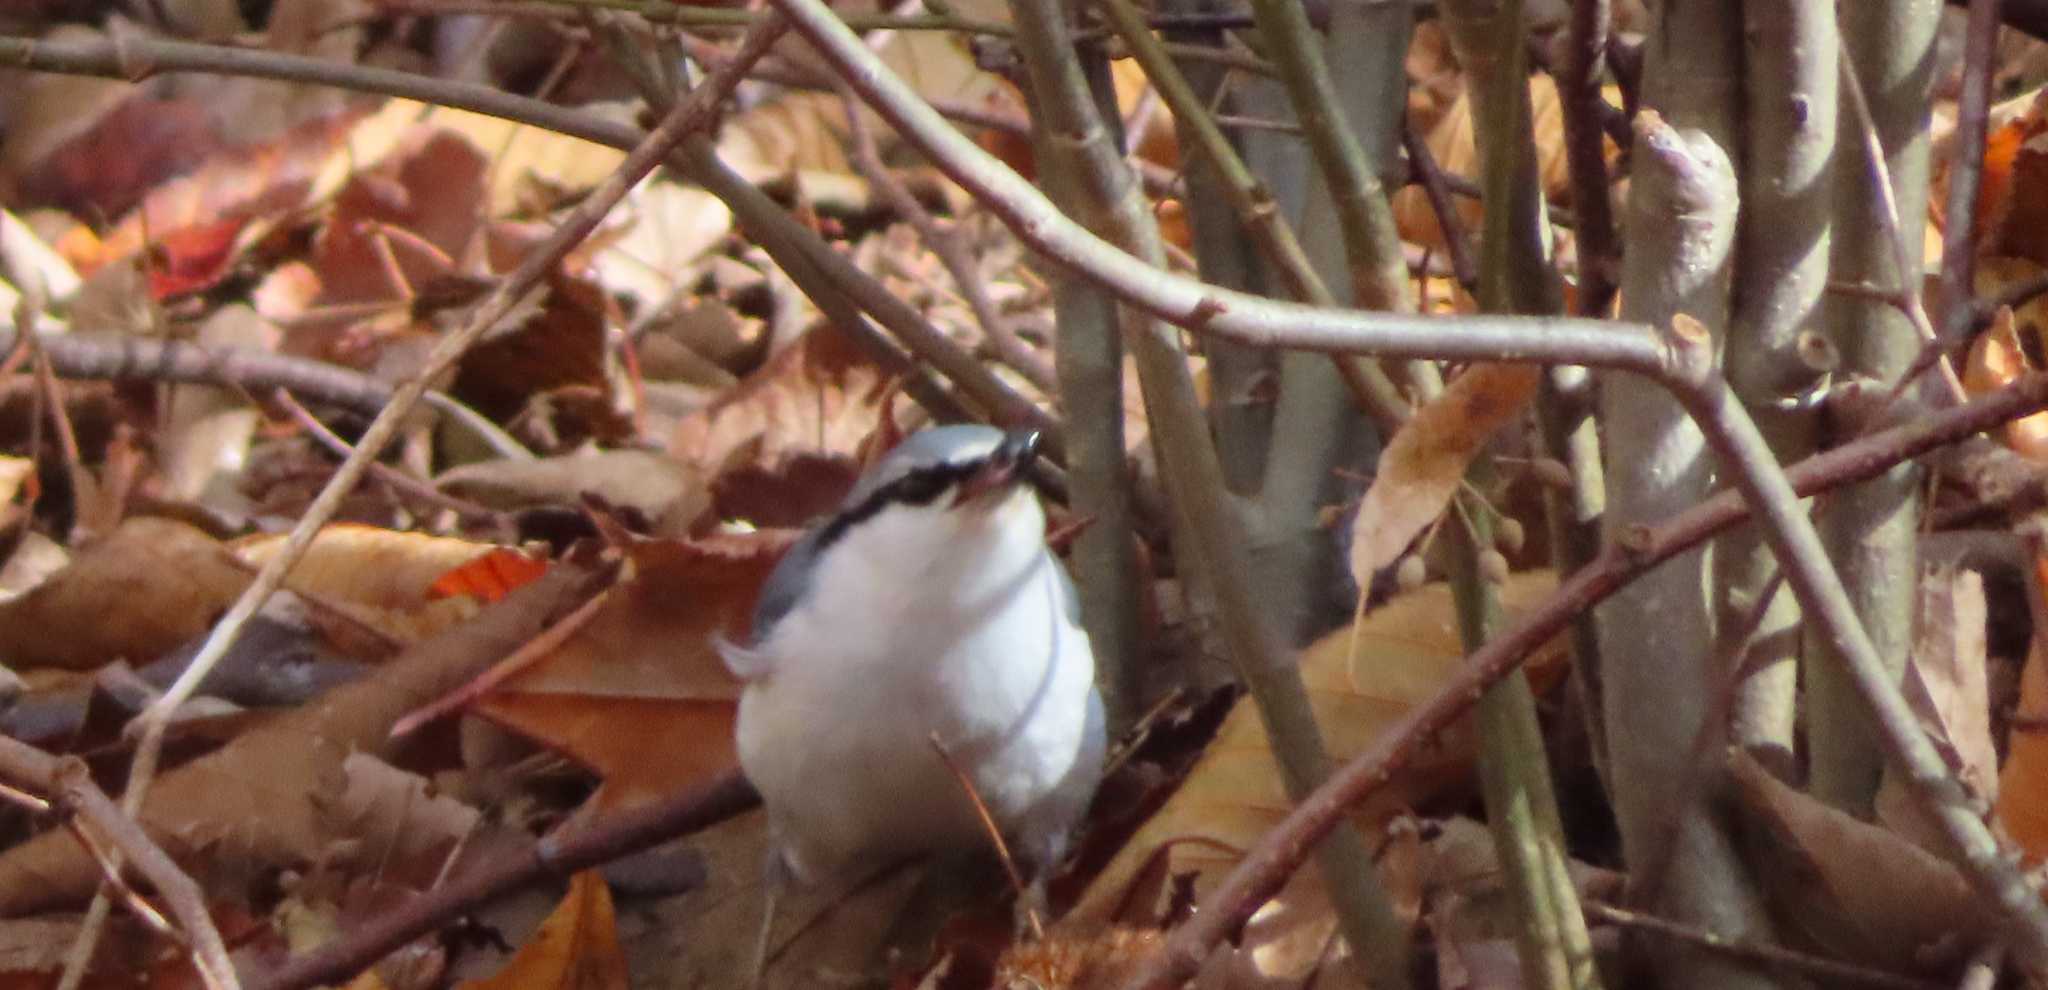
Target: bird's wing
785,586
745,662
1070,596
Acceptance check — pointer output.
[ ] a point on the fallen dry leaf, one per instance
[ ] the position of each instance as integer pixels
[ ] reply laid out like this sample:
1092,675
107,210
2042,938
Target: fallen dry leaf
648,256
819,394
196,221
2018,217
1948,687
1861,891
253,800
1425,462
490,577
2023,782
638,693
1995,360
395,818
660,489
380,577
1234,794
822,934
576,948
148,586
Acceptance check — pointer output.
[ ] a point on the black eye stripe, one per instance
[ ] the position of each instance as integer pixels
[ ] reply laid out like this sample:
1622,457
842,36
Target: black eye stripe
919,487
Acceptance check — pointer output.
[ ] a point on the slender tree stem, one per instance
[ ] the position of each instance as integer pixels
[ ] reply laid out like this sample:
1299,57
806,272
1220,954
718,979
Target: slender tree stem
1265,867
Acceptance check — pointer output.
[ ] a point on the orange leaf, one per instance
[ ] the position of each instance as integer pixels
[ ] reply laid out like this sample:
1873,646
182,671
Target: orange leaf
193,258
576,948
489,577
645,748
2001,150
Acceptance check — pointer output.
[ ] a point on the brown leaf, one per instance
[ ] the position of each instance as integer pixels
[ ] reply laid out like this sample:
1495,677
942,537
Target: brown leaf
1234,794
1425,462
251,802
577,948
243,186
150,585
106,168
1947,685
1859,890
556,352
396,818
819,394
2023,781
2018,224
382,577
430,188
650,483
639,693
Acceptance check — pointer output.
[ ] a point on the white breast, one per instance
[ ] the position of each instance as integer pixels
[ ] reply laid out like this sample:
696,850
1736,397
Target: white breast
925,623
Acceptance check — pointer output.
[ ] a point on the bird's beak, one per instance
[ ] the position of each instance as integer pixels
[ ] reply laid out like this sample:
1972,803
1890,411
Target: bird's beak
1004,468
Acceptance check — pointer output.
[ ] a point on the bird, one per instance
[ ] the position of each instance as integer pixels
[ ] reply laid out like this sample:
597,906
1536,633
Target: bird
921,642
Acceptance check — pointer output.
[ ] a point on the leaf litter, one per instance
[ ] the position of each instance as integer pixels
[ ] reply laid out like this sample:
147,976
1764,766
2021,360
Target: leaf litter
678,390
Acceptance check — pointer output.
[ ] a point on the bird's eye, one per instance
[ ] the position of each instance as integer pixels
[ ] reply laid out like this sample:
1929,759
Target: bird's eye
921,487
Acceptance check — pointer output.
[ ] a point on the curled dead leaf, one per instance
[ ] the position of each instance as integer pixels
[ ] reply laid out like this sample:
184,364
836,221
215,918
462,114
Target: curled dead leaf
1425,462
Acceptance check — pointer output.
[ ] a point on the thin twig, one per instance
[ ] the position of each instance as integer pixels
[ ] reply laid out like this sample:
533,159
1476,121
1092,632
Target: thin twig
1966,173
601,840
109,864
389,475
947,247
1234,122
1763,955
1583,107
128,358
1907,274
1264,869
1437,189
688,115
70,786
995,835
